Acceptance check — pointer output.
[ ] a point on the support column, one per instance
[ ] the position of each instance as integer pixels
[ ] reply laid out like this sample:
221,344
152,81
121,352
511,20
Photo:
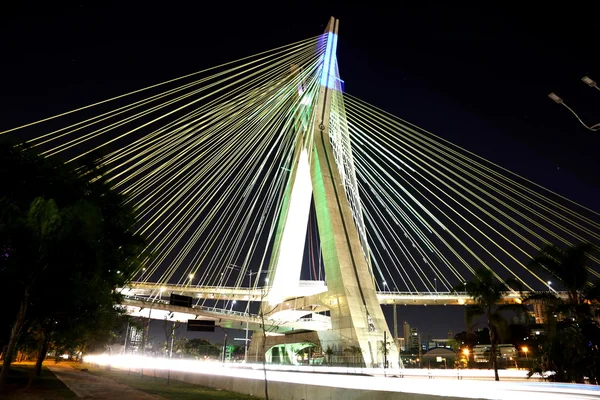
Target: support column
356,316
288,251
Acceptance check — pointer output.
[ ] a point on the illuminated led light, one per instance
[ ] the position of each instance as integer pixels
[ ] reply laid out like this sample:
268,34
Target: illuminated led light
291,248
329,61
555,98
589,81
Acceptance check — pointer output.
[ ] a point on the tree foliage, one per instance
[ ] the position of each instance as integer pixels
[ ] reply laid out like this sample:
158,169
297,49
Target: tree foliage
67,241
487,293
569,350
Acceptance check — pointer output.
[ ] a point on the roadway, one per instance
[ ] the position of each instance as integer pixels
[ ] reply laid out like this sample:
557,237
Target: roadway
150,300
304,289
430,383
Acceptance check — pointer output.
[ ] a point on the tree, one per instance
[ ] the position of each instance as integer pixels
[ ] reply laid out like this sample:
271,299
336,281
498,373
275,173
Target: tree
384,347
460,359
569,349
329,353
38,230
171,329
487,292
569,267
67,241
355,352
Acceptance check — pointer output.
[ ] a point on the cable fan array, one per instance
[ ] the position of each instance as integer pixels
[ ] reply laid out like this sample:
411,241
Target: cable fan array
438,212
204,162
206,158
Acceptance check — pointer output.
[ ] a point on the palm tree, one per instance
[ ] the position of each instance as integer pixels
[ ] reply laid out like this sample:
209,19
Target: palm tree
568,266
355,351
570,346
487,293
329,354
385,350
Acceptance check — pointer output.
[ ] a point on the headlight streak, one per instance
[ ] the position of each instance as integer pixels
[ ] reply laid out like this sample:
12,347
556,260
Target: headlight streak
349,378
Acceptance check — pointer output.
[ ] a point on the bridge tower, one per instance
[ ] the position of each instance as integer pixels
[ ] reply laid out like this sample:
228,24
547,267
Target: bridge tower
356,316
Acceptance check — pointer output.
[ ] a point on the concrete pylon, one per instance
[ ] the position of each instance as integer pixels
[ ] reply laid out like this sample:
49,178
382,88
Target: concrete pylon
356,316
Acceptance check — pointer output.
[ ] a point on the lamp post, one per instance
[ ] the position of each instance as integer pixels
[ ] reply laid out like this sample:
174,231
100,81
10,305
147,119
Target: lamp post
384,286
525,350
550,286
250,275
466,353
591,83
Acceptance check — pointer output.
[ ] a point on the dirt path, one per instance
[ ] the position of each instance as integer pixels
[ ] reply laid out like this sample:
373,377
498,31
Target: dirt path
88,386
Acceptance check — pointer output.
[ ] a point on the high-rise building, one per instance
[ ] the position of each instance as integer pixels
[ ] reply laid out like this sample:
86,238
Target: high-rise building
401,344
406,335
414,339
411,337
539,311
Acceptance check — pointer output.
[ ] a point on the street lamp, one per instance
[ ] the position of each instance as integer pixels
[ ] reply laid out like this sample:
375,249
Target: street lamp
525,350
250,274
466,353
591,83
384,285
550,286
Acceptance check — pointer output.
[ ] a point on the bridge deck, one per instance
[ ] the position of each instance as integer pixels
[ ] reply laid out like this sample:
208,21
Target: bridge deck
307,288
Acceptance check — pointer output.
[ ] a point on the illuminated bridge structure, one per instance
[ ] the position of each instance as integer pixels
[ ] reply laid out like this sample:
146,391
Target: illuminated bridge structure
258,180
292,314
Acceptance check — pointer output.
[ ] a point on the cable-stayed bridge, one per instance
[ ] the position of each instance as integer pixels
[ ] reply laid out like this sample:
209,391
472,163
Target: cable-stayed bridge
254,176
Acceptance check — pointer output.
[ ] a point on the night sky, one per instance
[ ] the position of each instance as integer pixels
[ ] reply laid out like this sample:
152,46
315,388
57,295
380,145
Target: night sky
477,76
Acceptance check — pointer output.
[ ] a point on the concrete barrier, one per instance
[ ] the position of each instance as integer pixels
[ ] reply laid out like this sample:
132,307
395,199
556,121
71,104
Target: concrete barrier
289,391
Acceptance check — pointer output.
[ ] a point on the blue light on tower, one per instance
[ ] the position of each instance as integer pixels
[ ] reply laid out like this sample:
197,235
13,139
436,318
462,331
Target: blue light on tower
328,77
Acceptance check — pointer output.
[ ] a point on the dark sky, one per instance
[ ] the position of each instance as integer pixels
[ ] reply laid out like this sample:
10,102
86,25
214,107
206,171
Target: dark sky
476,75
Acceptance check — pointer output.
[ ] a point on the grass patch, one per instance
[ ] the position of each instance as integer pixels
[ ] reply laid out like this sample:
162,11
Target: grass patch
159,386
46,386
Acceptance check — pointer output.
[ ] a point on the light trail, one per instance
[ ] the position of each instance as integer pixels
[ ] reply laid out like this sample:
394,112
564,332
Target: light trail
355,378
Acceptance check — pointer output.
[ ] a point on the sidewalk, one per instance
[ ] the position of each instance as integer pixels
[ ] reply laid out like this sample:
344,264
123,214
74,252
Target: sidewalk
88,386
